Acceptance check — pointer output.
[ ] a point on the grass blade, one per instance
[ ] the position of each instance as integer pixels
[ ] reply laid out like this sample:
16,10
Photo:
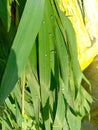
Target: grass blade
60,114
44,58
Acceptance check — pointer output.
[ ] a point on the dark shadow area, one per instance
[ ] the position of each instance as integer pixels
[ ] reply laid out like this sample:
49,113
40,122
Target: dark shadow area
4,13
7,33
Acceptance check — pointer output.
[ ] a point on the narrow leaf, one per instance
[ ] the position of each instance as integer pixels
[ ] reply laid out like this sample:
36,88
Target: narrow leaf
60,113
44,57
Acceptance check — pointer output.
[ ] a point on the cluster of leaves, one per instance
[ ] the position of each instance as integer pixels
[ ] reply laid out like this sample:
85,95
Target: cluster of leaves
41,64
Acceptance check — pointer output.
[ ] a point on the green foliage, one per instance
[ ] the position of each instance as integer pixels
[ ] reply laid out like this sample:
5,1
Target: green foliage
42,75
16,57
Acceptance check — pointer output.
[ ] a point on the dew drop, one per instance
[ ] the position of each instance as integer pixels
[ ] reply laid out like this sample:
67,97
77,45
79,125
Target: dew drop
53,51
51,17
43,21
50,34
62,89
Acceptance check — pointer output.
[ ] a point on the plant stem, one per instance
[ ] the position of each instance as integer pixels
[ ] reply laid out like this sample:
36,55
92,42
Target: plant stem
23,87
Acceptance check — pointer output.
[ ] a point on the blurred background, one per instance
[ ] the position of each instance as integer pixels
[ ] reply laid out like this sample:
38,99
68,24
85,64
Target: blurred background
92,74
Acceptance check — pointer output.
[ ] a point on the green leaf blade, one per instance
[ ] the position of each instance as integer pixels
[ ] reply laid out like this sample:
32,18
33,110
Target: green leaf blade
22,45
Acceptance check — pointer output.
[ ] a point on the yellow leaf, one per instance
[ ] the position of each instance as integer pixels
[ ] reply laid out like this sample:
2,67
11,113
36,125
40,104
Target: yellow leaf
87,44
